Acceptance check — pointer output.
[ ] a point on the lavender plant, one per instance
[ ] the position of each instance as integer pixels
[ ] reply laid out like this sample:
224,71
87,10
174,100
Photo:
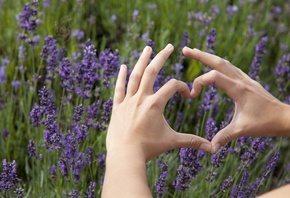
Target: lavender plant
59,62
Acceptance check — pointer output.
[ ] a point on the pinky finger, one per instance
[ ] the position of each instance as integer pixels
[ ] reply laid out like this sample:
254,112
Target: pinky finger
119,93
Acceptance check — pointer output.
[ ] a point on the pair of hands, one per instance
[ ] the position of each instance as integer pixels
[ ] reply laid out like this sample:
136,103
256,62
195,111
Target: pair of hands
137,121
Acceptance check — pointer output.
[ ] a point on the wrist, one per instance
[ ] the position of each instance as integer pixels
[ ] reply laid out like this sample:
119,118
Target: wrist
285,119
125,154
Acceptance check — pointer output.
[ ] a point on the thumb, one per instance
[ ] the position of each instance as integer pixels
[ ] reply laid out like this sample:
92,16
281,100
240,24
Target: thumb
183,140
222,137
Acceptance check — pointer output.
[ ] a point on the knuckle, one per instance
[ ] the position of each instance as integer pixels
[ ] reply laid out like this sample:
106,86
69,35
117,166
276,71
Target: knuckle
135,77
242,87
214,74
221,62
151,71
173,82
227,137
192,143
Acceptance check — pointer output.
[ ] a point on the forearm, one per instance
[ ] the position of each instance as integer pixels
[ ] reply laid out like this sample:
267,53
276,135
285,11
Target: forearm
125,175
281,192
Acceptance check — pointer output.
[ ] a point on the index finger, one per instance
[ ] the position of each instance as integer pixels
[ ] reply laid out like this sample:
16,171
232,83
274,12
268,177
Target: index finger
212,61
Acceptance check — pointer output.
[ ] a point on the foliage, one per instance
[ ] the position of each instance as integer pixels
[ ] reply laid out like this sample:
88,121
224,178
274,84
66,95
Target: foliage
58,65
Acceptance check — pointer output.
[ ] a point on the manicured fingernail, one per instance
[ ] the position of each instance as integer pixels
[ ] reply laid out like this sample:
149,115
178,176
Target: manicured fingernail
168,47
146,49
205,147
216,147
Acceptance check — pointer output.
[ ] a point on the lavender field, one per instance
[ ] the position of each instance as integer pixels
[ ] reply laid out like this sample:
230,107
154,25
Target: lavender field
58,65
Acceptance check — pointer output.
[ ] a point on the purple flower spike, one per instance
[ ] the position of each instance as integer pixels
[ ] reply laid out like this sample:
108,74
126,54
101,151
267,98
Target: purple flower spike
256,63
160,185
26,20
8,178
91,190
271,165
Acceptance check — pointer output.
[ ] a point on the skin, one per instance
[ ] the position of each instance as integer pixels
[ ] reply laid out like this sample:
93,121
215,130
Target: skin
257,112
139,132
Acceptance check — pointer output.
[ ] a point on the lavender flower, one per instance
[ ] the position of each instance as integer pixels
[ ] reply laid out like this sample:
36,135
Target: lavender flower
160,185
15,84
89,155
79,34
151,44
52,172
70,145
8,178
66,72
240,190
184,40
50,54
107,106
46,3
46,101
93,109
36,115
19,192
219,156
282,73
211,38
74,194
227,183
135,15
86,72
32,150
63,167
101,158
258,145
209,99
210,128
77,164
232,9
5,133
215,9
110,62
82,132
91,191
26,20
52,135
188,169
33,41
256,63
113,17
271,165
78,112
3,76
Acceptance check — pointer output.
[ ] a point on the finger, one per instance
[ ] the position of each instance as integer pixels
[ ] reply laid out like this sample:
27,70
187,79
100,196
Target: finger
153,69
183,140
218,79
224,136
169,89
212,61
137,73
119,93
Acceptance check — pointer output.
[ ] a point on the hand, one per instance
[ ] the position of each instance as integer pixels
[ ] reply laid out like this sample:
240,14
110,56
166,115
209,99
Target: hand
257,112
137,121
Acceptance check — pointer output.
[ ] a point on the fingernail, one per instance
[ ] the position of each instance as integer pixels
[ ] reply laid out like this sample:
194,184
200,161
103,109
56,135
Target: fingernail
216,147
146,49
168,47
122,67
205,147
